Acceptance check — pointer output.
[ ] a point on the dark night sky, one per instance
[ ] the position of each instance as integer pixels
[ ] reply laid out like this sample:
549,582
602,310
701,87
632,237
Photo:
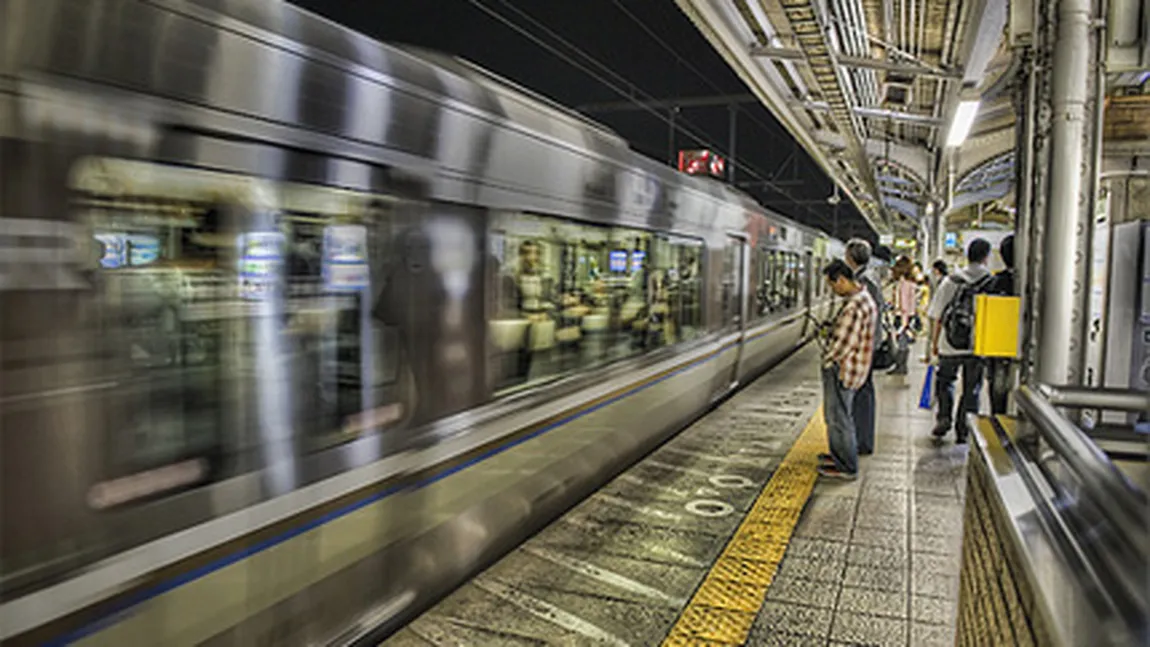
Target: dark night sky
649,45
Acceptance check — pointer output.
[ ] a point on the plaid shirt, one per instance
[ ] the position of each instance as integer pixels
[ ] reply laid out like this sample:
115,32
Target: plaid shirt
852,341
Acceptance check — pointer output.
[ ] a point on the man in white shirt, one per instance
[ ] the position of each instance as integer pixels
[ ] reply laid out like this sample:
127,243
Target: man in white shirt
952,360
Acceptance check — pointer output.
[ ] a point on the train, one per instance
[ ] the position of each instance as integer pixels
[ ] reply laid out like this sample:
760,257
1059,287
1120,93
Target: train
299,330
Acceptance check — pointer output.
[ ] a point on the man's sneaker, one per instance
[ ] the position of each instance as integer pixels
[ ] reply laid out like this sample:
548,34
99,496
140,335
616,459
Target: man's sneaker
833,472
826,458
940,431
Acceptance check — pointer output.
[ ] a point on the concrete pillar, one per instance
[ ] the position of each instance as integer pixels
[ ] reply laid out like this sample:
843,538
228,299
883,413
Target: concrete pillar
1058,337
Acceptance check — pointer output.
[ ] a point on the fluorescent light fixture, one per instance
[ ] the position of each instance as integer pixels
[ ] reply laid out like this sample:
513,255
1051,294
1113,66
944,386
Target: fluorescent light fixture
963,120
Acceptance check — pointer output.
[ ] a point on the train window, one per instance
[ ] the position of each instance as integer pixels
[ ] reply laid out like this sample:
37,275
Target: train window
567,296
792,280
237,313
761,279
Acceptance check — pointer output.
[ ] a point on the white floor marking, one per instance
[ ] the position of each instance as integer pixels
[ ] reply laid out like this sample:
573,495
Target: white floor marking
638,480
709,508
750,460
594,526
654,512
603,575
549,612
677,468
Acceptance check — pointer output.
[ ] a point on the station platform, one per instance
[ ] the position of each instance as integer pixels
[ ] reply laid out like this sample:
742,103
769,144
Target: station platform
727,536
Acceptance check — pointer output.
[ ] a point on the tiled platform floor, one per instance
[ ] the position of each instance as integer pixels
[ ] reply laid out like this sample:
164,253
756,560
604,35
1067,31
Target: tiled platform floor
876,561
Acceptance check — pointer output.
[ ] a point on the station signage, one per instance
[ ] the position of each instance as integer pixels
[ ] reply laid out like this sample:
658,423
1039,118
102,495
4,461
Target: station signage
702,162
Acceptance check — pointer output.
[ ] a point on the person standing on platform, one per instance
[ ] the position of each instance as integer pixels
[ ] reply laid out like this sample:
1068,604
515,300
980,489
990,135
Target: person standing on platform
858,253
998,368
904,296
954,300
846,368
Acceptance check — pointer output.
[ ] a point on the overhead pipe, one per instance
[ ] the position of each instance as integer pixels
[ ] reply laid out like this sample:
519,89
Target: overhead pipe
1063,216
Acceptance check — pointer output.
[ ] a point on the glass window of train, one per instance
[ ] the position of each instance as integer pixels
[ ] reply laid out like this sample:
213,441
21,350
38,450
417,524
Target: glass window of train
761,279
793,282
167,289
532,293
673,291
223,293
567,296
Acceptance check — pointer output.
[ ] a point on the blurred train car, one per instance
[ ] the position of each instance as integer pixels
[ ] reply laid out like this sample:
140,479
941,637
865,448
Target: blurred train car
299,330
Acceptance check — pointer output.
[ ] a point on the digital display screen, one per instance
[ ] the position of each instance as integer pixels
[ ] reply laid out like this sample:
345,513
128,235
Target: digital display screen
124,250
143,250
261,258
637,258
114,250
345,258
951,241
618,261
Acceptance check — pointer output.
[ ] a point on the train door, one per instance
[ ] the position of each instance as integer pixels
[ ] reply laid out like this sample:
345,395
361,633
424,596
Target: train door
734,299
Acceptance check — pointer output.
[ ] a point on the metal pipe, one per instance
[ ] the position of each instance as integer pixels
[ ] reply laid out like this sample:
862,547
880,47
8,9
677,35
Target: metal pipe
1095,195
1063,216
1110,490
1126,172
1025,211
1108,399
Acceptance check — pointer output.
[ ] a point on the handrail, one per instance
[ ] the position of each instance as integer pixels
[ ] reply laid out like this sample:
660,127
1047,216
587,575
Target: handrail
1122,504
1107,399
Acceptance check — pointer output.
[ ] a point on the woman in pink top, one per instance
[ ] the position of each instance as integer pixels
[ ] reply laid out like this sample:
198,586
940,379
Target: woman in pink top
905,305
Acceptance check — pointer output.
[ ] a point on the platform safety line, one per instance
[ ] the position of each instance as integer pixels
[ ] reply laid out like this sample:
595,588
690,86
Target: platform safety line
725,605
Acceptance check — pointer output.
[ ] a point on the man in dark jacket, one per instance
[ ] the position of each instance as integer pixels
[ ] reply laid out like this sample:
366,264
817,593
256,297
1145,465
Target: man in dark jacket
998,368
858,253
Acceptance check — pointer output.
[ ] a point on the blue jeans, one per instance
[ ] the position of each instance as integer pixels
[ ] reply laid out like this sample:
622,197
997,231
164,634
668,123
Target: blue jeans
838,401
863,413
949,367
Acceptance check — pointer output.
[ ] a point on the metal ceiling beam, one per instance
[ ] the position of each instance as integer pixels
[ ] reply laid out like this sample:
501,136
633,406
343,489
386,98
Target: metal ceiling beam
811,31
788,54
881,113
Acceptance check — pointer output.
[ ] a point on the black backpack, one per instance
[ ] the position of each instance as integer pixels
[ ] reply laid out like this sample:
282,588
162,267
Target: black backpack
886,349
958,315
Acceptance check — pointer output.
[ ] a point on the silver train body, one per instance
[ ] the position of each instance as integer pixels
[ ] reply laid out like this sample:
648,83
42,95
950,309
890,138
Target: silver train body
299,330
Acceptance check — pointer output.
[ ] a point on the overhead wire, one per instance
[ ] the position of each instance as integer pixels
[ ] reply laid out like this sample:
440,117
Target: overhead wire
628,93
706,79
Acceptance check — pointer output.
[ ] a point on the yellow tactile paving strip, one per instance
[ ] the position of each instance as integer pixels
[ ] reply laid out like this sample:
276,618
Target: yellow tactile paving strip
724,607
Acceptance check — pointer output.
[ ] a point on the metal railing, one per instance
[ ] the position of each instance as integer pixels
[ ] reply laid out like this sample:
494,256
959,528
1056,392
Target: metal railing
1106,399
1114,538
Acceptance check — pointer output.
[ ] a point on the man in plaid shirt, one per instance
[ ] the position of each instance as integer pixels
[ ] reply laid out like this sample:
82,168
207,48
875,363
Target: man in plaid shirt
846,365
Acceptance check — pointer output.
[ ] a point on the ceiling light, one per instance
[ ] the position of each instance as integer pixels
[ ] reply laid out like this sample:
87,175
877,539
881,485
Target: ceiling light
963,120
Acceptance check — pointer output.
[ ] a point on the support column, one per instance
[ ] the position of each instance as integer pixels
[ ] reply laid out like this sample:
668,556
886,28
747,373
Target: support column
1060,276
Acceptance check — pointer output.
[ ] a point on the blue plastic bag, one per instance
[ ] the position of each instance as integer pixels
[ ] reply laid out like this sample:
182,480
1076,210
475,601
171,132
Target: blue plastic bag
927,398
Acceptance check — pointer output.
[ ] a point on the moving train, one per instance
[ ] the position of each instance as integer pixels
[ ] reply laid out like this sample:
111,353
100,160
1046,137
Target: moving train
299,330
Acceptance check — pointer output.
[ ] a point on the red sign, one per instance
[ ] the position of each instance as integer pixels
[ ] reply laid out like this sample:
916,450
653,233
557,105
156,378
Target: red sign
702,162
